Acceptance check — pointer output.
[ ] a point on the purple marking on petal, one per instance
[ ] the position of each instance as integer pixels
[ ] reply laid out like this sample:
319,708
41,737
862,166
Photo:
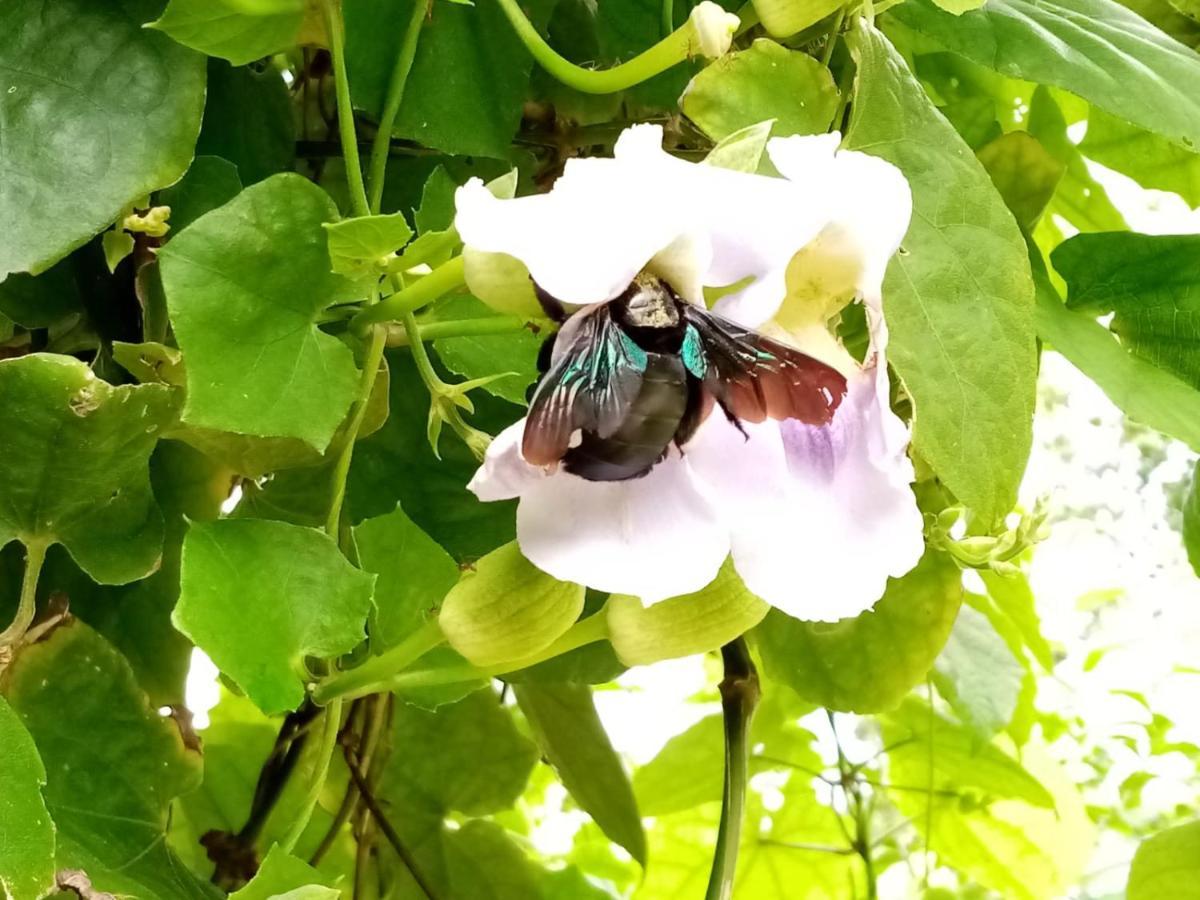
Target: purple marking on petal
813,451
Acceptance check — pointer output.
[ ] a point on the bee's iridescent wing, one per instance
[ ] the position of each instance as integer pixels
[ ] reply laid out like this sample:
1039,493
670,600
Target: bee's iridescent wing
754,377
594,378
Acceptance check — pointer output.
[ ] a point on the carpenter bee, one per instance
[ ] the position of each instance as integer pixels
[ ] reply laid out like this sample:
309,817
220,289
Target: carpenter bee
623,380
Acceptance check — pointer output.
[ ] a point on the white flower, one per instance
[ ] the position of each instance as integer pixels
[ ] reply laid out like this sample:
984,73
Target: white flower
816,516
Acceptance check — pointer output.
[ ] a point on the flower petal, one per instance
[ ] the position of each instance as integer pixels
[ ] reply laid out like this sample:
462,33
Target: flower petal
755,223
821,516
585,240
869,218
653,537
504,473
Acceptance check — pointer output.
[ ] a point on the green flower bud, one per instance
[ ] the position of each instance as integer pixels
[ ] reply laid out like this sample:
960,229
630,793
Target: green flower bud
506,609
681,626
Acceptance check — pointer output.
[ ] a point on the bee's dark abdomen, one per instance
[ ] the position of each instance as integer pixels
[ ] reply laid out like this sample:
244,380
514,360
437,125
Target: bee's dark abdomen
643,436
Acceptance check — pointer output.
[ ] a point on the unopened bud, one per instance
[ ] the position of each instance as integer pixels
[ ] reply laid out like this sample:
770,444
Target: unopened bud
714,28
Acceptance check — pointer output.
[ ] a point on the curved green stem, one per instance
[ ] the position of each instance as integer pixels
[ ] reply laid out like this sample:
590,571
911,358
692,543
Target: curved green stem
341,469
739,697
677,46
387,673
445,278
35,556
452,328
391,105
420,355
329,733
668,17
361,681
345,111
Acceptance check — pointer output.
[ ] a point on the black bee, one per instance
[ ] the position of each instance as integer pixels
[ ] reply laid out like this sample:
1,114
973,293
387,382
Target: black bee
624,380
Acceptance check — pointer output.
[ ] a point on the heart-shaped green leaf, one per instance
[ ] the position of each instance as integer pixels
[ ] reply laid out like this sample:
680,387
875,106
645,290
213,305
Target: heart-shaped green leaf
245,285
259,596
113,764
74,465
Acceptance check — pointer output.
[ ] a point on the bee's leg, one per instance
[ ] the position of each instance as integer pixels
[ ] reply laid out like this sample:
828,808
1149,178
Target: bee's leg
551,305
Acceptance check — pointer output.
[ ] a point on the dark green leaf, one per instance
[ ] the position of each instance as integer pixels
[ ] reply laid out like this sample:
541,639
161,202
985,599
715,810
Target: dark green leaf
957,297
259,596
231,31
766,81
467,757
37,301
136,618
1167,865
1151,283
396,465
414,574
26,832
248,120
97,112
1143,391
868,663
436,212
1096,49
74,465
245,285
478,356
573,740
113,764
209,182
475,112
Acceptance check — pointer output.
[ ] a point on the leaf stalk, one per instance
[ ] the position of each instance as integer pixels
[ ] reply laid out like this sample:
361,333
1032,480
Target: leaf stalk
35,557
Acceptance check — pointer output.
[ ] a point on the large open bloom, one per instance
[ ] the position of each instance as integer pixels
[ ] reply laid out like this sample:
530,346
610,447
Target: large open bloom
816,517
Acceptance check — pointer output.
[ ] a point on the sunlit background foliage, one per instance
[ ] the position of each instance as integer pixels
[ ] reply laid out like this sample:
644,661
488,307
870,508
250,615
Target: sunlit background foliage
178,392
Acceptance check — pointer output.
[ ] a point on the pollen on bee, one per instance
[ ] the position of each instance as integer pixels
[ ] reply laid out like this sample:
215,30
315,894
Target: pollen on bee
576,438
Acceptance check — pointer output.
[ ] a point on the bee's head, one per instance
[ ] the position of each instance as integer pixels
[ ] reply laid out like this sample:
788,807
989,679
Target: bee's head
649,303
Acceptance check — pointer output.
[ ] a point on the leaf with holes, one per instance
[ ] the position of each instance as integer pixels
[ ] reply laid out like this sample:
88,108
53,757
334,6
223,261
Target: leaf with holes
74,465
